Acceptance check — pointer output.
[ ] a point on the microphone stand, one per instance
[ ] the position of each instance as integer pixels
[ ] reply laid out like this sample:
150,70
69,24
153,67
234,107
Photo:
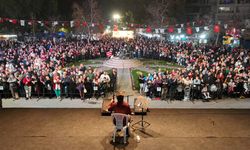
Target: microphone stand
142,124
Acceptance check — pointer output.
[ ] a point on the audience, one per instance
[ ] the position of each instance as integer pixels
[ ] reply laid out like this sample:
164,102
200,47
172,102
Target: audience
40,68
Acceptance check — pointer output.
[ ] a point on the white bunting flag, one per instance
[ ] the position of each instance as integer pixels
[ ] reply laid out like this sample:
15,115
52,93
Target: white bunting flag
206,28
22,22
225,26
162,30
55,23
182,25
197,29
71,24
156,31
179,30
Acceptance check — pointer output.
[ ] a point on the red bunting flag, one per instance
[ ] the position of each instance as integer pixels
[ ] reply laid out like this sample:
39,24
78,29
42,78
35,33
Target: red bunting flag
189,30
148,30
84,24
216,28
170,29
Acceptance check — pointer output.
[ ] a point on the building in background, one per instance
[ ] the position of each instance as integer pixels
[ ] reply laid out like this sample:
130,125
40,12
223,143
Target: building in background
201,9
234,12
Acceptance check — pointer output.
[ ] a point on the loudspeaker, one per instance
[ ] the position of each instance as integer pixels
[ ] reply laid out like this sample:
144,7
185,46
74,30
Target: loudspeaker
140,105
105,106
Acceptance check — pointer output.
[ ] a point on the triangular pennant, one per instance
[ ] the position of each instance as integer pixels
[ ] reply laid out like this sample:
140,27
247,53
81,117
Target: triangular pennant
197,29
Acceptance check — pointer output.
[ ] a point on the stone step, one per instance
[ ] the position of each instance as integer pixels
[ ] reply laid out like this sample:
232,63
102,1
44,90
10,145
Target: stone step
122,63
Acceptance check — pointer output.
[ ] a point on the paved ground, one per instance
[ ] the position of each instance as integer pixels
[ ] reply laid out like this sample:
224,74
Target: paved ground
52,129
93,103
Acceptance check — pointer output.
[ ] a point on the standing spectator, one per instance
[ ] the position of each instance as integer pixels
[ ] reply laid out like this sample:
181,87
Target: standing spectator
27,86
57,86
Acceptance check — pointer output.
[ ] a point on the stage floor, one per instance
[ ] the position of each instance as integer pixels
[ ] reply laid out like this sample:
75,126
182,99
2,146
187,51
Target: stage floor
69,129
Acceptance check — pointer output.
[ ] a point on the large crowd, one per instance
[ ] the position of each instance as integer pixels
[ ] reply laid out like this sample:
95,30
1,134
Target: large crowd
40,68
209,71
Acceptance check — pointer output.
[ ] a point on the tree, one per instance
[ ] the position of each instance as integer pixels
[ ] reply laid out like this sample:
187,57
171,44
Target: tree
162,9
158,10
128,17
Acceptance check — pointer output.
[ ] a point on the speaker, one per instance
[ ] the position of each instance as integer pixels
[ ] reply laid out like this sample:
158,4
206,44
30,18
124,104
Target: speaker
105,106
140,105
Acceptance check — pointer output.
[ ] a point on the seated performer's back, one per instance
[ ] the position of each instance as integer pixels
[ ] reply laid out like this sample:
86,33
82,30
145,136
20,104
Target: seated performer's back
120,106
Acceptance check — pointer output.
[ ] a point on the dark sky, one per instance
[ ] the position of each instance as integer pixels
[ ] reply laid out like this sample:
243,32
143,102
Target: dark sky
46,8
137,7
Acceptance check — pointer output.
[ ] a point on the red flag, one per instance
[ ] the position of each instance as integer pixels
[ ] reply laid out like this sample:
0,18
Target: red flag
216,28
170,29
148,30
84,24
189,30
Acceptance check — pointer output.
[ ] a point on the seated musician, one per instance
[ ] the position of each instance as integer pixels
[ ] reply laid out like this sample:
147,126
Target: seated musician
120,107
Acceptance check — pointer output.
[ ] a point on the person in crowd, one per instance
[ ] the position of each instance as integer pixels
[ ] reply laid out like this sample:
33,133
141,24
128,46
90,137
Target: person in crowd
27,81
81,87
196,88
48,86
113,78
13,86
57,86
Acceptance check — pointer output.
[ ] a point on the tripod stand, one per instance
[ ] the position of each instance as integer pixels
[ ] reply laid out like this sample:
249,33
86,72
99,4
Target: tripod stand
142,124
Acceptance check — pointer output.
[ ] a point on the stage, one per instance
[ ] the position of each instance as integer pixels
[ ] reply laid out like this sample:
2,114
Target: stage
29,129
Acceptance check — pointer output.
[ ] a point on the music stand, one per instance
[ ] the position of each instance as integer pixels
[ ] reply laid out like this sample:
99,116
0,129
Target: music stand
142,124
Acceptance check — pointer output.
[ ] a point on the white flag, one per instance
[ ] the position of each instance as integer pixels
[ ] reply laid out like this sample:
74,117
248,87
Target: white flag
30,23
225,26
206,28
162,30
41,23
182,25
179,30
22,22
55,23
156,31
197,29
71,24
